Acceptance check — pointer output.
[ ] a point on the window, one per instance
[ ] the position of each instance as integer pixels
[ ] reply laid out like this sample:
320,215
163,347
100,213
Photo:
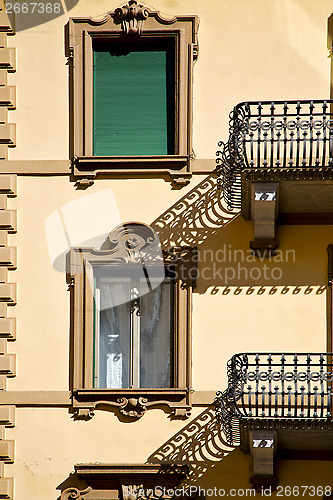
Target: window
131,94
133,332
131,324
134,98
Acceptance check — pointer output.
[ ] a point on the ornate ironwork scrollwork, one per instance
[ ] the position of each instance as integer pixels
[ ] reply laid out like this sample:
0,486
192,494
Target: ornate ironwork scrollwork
277,386
226,402
272,140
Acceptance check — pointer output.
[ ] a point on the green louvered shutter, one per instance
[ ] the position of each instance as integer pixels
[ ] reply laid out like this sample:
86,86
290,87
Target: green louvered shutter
134,99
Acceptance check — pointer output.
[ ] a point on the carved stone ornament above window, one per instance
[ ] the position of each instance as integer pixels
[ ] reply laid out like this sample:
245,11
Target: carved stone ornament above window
115,137
131,325
131,17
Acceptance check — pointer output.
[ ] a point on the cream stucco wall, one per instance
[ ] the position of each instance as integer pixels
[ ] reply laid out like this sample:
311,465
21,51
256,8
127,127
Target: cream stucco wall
238,319
48,443
247,51
254,50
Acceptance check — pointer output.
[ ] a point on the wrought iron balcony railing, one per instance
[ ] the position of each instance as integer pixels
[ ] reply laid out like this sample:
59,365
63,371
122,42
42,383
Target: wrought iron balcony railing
275,386
292,139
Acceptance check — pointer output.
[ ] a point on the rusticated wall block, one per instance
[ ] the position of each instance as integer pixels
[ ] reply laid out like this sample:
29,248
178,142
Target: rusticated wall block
8,220
8,184
3,40
7,451
3,346
7,416
3,151
8,59
3,76
8,364
8,293
6,488
8,96
8,328
4,22
3,113
8,133
8,257
7,93
3,197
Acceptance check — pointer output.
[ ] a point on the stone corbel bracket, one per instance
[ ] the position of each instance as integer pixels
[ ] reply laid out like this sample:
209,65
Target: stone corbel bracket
264,212
262,449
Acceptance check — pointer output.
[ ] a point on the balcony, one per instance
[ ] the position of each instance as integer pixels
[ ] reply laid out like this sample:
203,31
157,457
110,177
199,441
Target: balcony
278,402
271,145
281,386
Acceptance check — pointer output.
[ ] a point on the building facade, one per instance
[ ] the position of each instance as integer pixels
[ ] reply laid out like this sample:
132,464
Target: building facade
165,233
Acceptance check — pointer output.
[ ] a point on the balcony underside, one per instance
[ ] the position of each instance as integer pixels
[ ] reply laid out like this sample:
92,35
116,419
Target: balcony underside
302,202
294,438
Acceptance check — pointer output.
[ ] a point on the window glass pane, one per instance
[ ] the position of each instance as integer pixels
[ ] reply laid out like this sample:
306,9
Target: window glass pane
114,333
134,99
156,340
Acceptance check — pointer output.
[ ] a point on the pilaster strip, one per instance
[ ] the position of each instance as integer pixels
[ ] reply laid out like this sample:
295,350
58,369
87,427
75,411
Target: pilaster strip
7,92
7,254
7,449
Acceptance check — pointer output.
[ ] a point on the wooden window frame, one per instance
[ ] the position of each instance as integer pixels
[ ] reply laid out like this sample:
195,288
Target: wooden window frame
131,403
82,32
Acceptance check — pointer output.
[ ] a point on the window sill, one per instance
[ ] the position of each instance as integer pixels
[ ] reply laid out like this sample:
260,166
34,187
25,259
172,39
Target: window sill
131,403
88,168
112,481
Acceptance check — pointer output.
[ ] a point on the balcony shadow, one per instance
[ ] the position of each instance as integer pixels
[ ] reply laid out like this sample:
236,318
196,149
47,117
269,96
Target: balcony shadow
199,444
196,216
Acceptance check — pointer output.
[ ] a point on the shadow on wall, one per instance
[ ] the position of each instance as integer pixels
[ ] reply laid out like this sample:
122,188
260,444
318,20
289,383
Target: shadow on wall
196,216
224,258
297,275
200,445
